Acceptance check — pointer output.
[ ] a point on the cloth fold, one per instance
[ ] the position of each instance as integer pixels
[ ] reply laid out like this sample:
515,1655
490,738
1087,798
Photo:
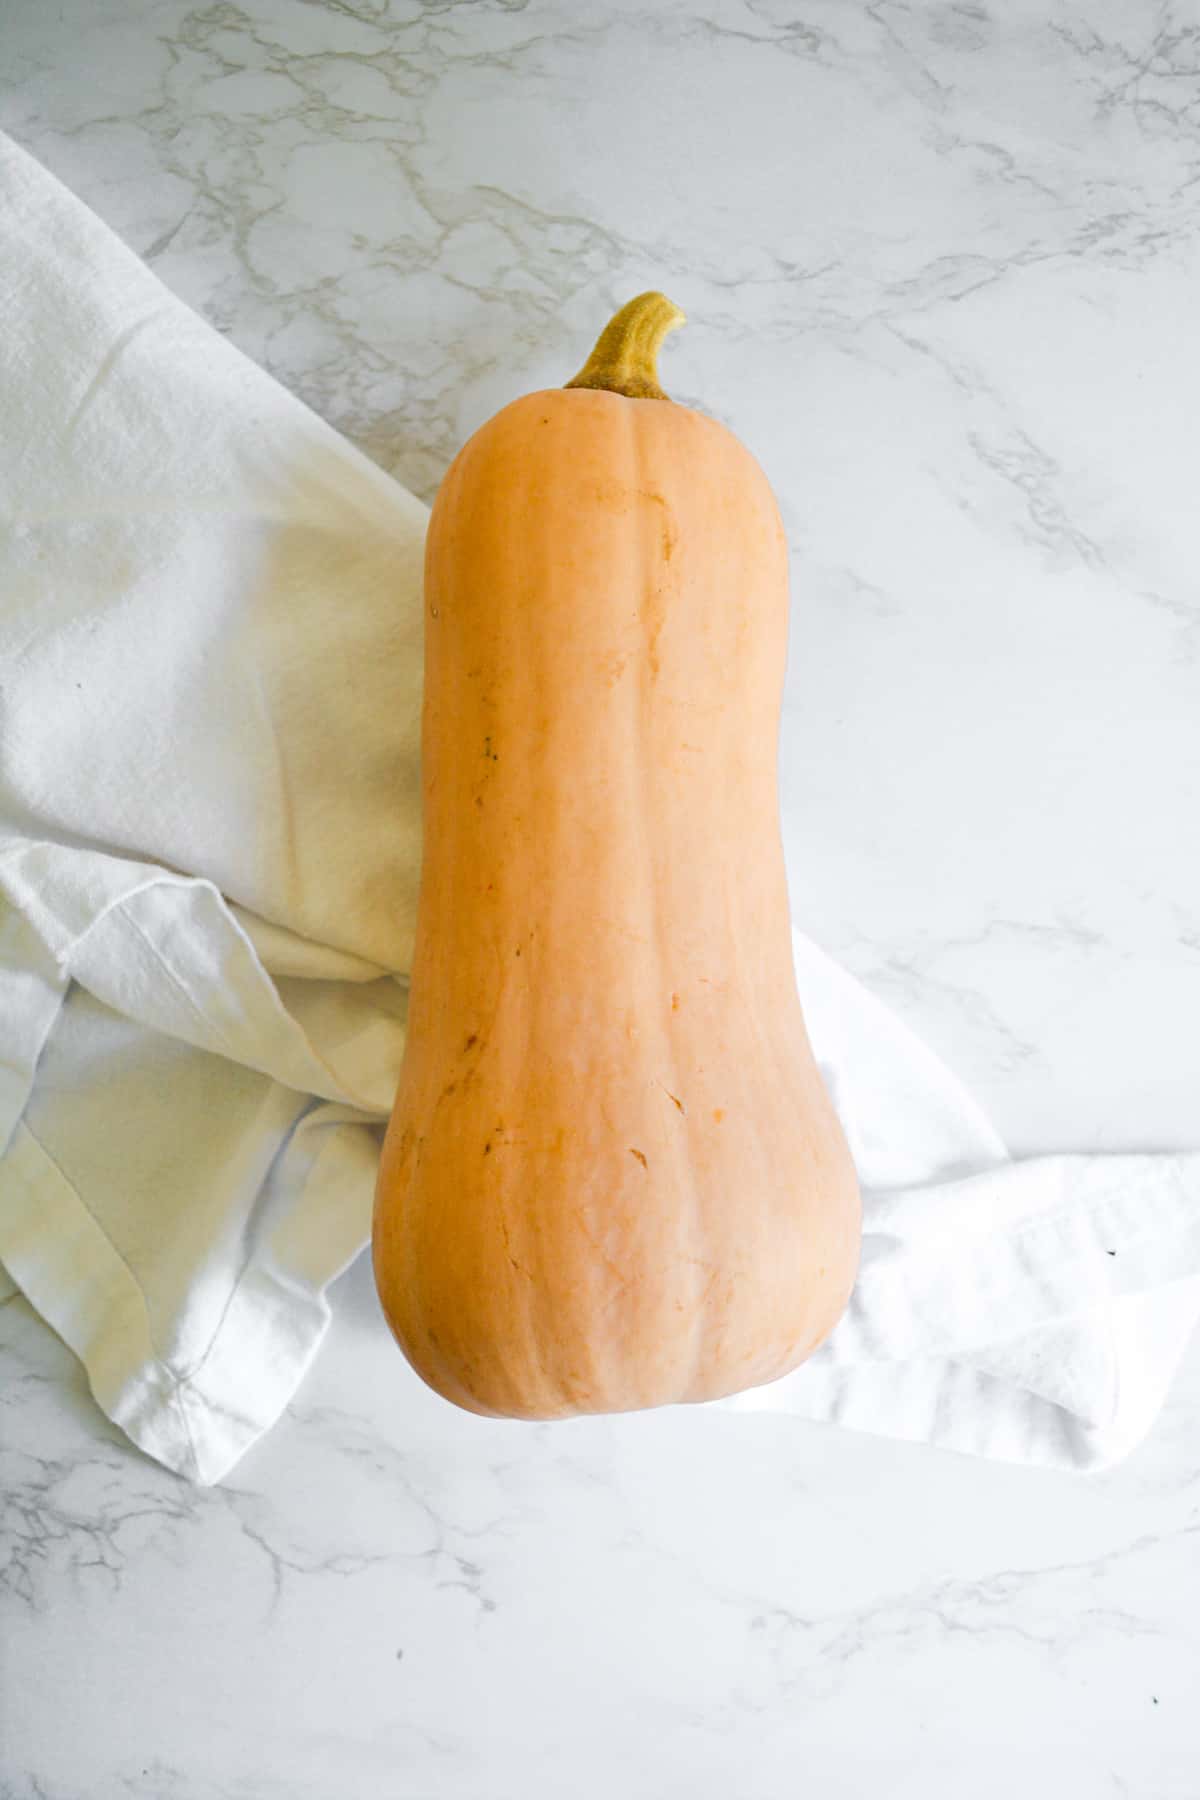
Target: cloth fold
210,643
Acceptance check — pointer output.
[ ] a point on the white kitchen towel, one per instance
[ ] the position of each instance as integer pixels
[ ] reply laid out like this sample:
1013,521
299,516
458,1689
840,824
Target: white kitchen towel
210,642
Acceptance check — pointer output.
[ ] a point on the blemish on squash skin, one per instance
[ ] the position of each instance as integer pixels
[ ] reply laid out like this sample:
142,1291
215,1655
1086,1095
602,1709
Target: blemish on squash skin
641,1156
612,666
472,1038
674,1002
718,1113
504,1232
656,625
656,609
406,1146
670,536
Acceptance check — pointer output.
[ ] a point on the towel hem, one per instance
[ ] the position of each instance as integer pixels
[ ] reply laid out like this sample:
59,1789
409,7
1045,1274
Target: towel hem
73,1275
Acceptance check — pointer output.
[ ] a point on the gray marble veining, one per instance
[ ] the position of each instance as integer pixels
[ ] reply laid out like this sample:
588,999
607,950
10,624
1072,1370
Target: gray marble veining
390,1597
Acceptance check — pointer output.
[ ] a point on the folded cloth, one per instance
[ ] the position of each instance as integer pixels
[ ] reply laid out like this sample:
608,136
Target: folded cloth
1033,1311
210,644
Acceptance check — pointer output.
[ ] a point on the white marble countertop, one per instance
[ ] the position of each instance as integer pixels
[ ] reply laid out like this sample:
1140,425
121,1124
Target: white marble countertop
940,262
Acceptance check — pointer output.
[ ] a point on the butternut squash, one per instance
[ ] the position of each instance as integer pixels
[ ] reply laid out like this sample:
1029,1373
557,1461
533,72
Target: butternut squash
612,1178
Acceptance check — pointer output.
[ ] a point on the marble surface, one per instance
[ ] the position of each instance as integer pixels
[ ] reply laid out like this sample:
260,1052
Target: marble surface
940,263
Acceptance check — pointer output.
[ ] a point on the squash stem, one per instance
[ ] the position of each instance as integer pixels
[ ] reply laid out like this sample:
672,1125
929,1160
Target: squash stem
625,360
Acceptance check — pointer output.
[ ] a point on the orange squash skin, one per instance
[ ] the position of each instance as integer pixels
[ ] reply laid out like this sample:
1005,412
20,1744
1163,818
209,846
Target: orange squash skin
612,1178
